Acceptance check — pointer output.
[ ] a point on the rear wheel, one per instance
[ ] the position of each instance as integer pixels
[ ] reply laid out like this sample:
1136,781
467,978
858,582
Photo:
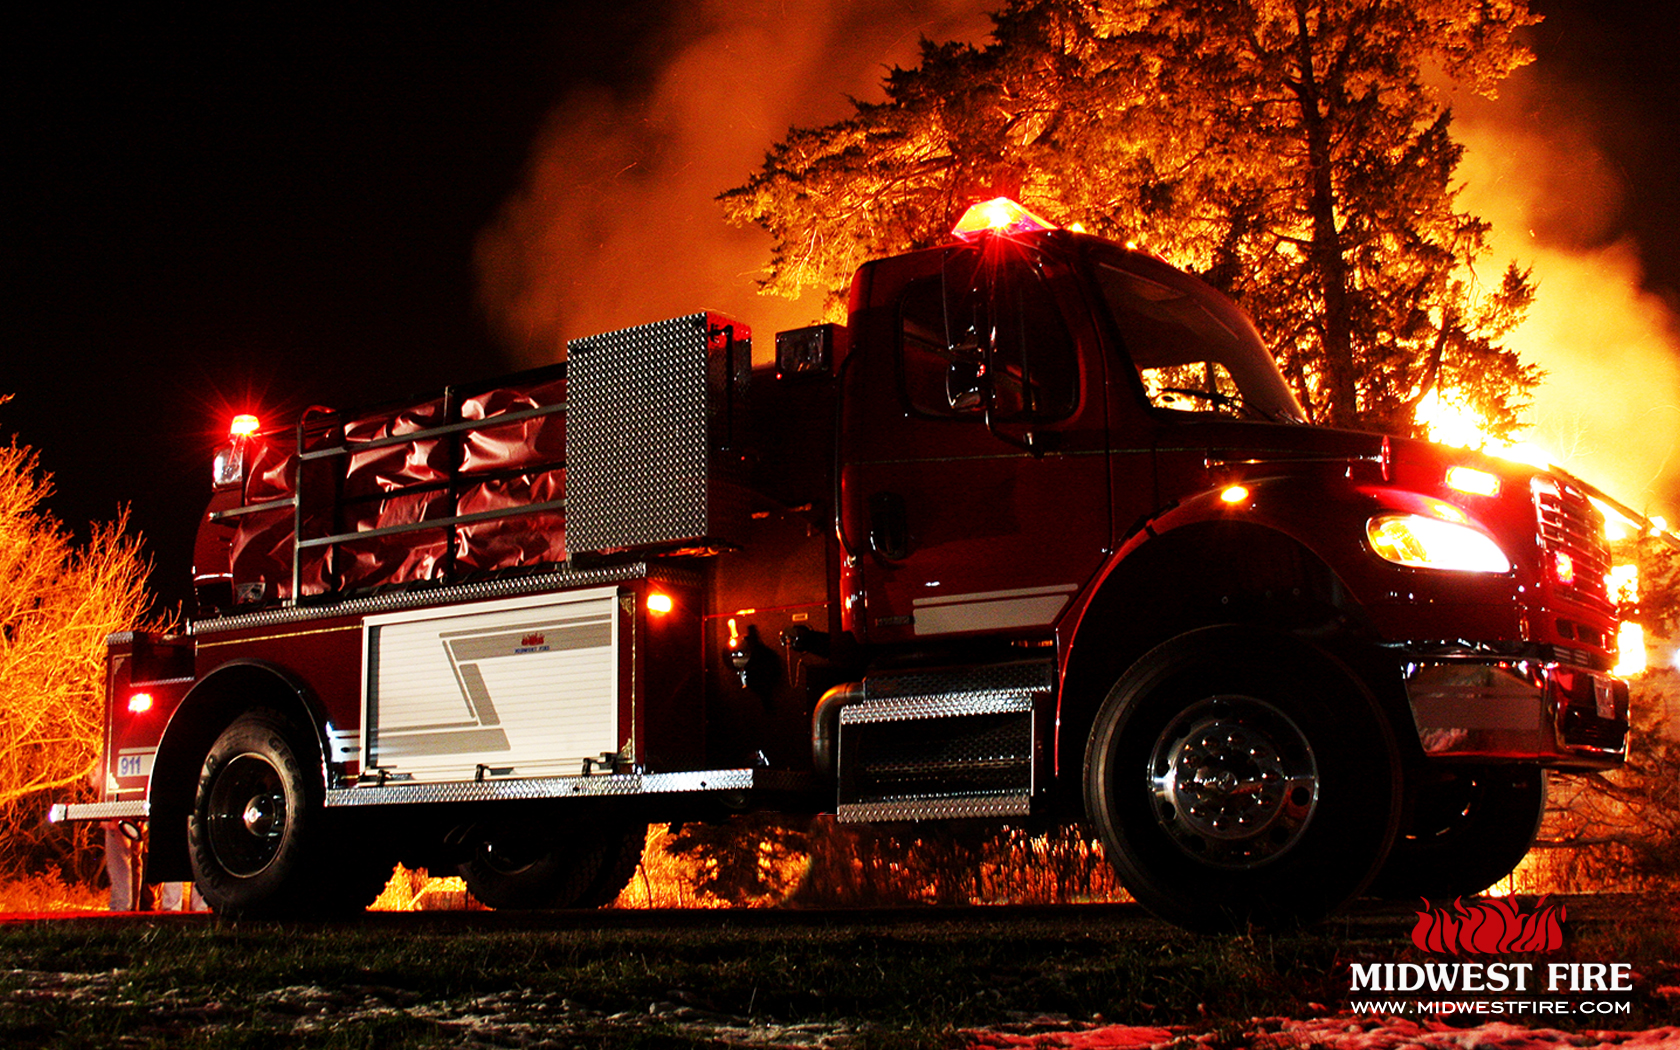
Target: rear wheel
1464,832
1238,776
258,835
581,863
617,868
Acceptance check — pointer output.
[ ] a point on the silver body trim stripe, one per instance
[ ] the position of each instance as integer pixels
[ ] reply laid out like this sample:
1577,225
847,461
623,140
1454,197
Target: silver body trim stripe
600,786
503,587
991,610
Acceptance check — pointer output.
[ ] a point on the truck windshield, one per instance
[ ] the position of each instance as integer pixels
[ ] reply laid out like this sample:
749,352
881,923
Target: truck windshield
1195,350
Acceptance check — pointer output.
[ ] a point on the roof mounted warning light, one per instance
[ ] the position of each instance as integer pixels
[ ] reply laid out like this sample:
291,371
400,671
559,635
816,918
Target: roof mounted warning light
228,467
999,215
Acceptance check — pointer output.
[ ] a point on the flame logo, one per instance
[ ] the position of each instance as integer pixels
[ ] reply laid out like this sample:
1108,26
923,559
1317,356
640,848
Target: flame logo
1489,927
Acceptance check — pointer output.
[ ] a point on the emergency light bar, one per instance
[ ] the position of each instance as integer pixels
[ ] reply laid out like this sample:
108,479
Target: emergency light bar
999,215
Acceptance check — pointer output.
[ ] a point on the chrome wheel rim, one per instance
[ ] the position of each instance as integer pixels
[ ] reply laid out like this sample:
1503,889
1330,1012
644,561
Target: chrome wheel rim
1233,782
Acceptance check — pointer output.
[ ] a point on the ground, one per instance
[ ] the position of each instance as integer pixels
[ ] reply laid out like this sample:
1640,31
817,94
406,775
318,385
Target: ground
1075,977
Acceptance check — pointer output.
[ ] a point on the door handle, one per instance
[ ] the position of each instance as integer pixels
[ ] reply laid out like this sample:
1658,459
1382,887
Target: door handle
889,529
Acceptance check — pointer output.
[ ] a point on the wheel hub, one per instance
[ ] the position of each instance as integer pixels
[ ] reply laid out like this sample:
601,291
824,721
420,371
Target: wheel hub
1233,781
247,815
259,814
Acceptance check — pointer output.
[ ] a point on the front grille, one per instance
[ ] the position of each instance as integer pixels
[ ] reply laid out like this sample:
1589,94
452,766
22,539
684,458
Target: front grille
1570,524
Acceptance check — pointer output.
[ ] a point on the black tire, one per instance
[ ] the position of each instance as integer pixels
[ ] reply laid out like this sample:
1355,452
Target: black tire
623,858
1463,832
258,834
579,863
1237,776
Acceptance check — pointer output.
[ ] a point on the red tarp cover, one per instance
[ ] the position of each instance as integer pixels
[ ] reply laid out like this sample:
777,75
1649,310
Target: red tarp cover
496,466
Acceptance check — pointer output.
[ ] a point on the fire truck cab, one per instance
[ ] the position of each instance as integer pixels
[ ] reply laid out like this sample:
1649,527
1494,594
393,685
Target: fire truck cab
1040,533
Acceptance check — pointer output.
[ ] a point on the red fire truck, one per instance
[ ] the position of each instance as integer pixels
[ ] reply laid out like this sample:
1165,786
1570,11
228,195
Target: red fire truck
1039,534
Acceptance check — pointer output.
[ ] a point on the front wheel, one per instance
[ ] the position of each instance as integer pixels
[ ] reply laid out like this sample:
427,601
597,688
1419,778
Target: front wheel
1238,776
1465,829
258,834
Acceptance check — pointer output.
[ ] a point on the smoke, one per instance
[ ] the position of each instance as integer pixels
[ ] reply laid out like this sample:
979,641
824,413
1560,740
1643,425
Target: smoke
1609,408
617,224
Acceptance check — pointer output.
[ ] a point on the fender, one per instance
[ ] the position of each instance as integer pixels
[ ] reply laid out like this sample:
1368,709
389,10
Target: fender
1286,550
1282,555
208,708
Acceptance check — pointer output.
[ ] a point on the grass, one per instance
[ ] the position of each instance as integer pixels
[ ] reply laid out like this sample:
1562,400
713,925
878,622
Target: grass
903,979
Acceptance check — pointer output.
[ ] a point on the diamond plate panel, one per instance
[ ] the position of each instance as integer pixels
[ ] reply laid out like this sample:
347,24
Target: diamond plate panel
136,809
649,408
896,710
1019,805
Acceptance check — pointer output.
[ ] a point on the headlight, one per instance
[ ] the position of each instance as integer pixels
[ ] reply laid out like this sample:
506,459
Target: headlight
1429,543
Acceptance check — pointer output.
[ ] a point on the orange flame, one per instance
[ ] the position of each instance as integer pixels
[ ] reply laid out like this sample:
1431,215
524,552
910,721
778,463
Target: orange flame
1490,927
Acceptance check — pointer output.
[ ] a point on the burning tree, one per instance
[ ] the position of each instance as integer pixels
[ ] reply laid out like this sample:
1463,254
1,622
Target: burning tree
57,604
1292,152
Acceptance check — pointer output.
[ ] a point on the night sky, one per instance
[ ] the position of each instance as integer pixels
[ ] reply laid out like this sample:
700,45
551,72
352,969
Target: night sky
212,208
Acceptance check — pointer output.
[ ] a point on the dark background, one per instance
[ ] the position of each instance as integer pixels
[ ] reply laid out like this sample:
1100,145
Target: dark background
211,209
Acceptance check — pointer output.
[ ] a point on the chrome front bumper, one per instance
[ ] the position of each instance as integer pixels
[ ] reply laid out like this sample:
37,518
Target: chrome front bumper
1518,710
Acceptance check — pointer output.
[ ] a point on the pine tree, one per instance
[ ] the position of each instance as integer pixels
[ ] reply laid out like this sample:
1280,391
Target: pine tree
1293,152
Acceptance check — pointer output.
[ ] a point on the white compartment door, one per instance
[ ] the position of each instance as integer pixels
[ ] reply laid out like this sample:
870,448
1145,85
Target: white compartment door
525,687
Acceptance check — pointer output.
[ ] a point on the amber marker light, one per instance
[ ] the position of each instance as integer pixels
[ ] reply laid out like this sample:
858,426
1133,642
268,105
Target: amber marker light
659,603
139,703
244,426
1234,494
1473,481
999,215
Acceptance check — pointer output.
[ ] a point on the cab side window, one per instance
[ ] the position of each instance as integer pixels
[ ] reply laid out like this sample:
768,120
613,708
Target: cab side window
986,334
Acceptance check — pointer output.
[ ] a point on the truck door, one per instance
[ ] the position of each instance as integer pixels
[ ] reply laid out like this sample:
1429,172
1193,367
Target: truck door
974,477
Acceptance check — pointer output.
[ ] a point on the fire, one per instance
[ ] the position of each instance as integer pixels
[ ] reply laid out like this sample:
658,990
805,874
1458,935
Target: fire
1449,421
1489,926
1630,648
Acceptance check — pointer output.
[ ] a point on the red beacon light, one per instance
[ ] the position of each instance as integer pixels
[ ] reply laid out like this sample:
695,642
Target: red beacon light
999,215
228,468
